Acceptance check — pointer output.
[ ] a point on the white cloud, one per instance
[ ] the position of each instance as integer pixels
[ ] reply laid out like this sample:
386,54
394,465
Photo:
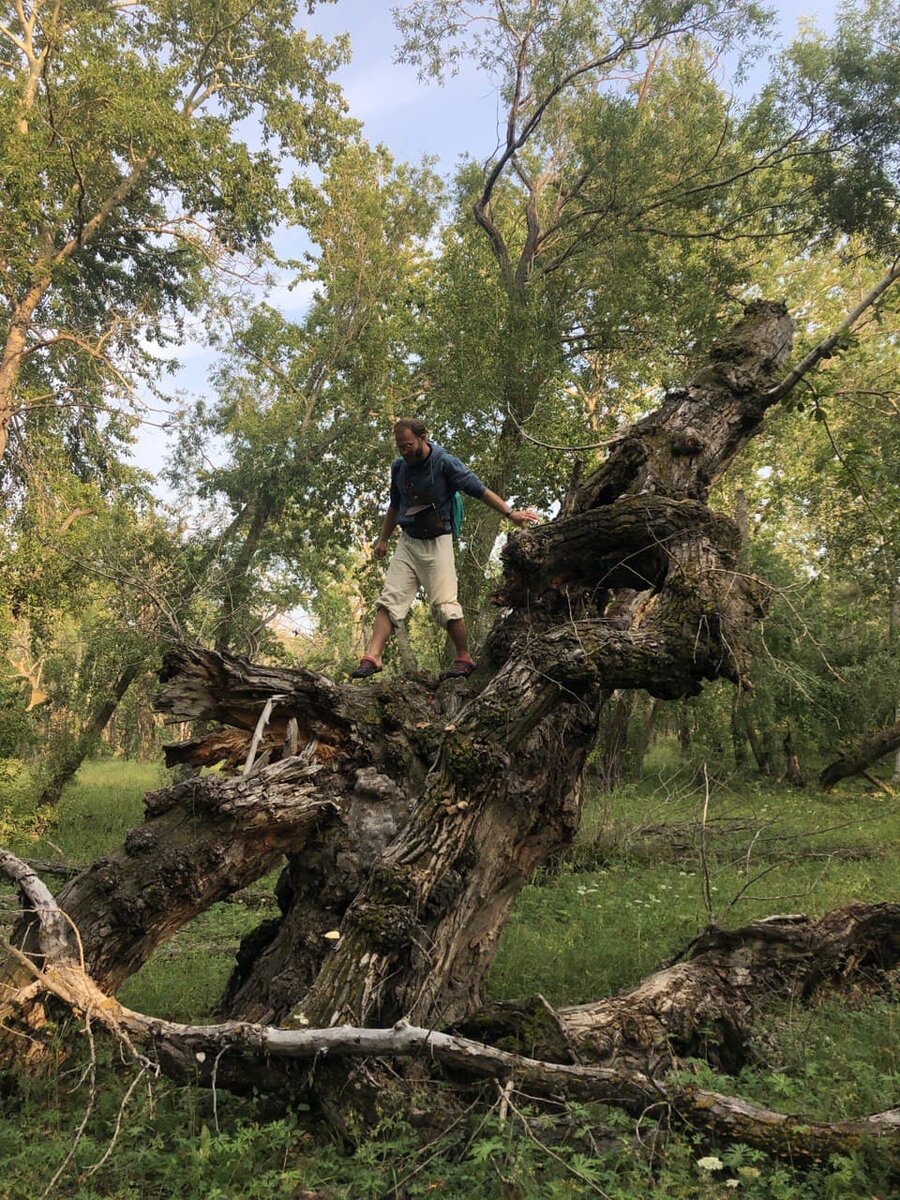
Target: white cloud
292,300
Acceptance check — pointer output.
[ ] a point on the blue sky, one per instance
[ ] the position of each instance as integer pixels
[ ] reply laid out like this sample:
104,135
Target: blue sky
412,119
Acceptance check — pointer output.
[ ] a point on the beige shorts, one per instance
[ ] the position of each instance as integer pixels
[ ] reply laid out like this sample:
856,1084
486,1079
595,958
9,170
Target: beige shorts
425,562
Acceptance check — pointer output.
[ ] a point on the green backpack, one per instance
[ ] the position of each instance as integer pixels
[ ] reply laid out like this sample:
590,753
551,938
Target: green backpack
456,514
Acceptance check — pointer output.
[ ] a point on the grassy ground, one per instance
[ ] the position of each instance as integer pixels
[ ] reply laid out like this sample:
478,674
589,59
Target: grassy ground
648,872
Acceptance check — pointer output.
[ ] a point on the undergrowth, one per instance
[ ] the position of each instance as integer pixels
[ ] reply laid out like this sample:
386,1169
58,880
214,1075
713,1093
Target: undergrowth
646,875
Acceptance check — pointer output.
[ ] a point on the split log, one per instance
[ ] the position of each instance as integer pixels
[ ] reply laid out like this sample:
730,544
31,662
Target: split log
203,840
880,744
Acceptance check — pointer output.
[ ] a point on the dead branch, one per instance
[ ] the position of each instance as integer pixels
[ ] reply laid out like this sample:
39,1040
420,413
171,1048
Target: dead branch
189,1052
205,839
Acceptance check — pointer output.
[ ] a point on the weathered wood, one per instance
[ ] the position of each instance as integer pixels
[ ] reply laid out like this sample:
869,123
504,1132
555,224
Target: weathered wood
503,792
53,937
504,785
702,1006
233,1054
244,1055
622,545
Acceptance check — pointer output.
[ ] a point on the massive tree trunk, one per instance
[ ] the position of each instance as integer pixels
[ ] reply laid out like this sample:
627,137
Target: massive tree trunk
433,804
632,586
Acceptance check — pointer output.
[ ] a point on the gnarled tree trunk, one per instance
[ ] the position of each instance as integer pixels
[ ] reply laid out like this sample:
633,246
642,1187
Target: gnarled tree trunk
434,804
634,585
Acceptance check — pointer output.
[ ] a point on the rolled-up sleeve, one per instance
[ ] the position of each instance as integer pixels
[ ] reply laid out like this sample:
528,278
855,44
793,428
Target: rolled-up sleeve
462,479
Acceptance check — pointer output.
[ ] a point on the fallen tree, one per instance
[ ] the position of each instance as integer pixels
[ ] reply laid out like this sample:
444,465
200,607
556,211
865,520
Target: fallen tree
426,807
865,755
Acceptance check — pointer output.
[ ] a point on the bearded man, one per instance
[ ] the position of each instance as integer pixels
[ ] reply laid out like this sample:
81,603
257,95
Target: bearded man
424,482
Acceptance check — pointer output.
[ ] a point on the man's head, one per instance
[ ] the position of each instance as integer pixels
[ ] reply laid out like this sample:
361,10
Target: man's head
409,435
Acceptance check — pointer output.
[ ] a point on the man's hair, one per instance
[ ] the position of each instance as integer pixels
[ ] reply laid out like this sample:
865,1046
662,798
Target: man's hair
413,424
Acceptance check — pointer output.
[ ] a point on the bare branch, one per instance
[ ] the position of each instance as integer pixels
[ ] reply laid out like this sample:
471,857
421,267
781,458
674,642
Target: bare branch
828,344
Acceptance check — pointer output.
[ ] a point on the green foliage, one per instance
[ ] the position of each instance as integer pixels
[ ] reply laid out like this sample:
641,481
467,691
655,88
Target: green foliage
129,176
98,809
304,409
845,91
636,898
19,814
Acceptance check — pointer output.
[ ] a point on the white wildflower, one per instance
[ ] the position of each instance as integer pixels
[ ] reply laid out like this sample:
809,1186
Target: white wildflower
711,1163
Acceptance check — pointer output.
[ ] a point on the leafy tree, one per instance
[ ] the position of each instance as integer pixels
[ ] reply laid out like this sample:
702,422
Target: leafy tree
304,408
607,200
128,177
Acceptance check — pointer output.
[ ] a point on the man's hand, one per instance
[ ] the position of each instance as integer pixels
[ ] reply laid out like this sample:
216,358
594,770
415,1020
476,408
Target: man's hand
381,548
523,517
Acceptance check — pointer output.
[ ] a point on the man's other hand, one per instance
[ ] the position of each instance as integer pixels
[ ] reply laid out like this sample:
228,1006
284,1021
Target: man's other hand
381,548
523,517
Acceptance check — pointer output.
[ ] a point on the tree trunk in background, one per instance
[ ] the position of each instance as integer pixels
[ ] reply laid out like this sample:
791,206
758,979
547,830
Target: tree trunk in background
644,740
62,772
237,584
479,536
685,730
765,761
738,736
405,650
793,772
880,744
893,637
611,756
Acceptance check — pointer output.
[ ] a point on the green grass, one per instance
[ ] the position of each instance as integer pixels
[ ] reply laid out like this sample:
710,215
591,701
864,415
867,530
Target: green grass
626,900
96,811
631,894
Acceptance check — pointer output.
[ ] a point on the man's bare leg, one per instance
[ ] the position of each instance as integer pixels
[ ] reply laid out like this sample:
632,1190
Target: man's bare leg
381,633
459,636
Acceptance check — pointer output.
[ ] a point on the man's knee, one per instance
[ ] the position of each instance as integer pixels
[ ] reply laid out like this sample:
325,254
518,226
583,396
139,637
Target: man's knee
394,611
446,612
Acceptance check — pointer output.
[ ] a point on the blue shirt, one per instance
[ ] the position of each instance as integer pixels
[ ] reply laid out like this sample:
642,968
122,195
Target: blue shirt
433,481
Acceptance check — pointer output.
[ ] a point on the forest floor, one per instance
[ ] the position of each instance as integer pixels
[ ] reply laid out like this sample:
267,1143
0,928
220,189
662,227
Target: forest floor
647,874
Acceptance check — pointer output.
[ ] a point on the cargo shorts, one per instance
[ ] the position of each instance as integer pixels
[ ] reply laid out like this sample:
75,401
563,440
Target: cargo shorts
425,562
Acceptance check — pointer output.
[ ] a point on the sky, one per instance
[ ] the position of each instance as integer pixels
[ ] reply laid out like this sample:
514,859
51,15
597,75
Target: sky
412,119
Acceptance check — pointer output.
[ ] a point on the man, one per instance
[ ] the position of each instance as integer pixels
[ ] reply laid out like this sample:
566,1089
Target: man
424,480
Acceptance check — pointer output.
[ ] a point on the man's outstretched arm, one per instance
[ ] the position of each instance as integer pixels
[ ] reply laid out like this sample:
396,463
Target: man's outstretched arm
519,516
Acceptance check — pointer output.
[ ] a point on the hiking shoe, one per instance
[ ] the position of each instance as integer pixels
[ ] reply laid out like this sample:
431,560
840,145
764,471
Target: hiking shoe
459,669
367,667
